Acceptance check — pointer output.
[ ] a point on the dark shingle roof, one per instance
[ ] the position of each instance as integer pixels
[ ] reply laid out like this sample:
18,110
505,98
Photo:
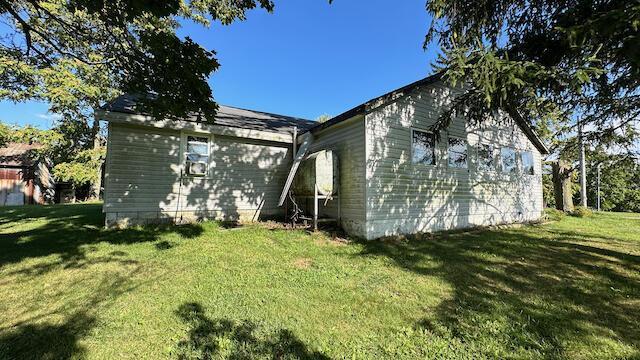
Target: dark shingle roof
18,154
227,116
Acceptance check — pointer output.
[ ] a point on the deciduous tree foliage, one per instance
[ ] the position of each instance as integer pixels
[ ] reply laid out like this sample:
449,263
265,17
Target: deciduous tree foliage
620,181
69,145
133,41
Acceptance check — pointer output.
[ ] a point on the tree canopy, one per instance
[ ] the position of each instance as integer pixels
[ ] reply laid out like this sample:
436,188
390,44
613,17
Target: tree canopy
68,145
132,43
557,62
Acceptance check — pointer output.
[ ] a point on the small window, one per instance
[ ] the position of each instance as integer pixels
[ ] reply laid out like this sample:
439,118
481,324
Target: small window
457,153
423,147
508,160
527,163
486,160
197,155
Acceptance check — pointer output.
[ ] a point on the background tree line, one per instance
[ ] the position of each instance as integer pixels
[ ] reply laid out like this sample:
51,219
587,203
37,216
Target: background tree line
619,184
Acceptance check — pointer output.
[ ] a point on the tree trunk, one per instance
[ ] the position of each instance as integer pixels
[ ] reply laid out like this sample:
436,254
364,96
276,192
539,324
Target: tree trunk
562,186
96,186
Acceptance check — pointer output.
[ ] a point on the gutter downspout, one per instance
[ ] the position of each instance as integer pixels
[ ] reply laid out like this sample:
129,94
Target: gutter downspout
307,140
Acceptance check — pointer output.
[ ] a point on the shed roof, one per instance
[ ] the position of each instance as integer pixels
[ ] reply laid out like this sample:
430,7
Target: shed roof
226,116
395,94
18,154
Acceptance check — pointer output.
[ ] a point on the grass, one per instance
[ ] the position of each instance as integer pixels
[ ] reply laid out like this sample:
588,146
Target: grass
69,289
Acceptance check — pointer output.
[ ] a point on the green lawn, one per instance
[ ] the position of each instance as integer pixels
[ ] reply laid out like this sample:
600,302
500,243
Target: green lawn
69,289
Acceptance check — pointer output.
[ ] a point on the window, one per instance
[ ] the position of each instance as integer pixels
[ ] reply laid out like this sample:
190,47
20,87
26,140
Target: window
527,163
457,153
486,161
508,160
197,155
423,146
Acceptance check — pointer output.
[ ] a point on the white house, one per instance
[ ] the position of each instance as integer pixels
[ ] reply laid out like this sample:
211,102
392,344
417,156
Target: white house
395,176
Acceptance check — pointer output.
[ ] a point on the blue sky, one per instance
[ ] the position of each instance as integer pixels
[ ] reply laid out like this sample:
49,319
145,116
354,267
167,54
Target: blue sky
305,59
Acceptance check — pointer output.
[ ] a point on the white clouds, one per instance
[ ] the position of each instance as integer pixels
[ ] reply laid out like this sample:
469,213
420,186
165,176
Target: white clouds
49,117
48,120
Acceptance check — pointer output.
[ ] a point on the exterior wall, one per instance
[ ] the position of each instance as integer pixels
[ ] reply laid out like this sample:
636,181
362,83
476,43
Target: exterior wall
13,186
348,141
26,185
402,197
143,181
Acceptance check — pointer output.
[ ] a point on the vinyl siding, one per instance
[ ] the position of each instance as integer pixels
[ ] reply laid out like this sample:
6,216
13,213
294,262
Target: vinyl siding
144,166
402,197
348,140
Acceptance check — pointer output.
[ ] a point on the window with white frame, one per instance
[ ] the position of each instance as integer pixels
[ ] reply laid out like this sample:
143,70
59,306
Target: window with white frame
458,153
508,160
527,163
486,157
423,148
197,155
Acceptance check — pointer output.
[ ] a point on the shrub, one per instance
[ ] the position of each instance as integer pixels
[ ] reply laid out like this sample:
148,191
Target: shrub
551,214
581,211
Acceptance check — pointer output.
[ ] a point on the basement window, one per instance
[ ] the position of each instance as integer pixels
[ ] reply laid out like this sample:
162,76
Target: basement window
457,153
197,155
423,148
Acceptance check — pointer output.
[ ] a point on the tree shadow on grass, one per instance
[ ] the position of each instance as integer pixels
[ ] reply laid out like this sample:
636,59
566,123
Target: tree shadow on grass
55,332
67,230
223,338
47,341
519,293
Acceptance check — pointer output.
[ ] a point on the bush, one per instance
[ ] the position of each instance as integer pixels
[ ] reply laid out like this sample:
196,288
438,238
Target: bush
581,211
551,214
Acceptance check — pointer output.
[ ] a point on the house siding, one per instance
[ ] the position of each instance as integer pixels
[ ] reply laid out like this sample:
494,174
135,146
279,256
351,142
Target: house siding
143,181
348,141
402,197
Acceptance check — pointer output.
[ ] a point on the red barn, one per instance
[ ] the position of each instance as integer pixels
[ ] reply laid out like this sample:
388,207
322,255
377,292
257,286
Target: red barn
24,177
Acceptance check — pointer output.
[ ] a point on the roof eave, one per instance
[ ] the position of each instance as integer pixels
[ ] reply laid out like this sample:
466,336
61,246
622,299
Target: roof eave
531,134
182,125
395,94
377,101
358,110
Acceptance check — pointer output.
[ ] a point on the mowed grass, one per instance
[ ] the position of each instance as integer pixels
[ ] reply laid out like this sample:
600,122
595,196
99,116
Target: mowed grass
70,289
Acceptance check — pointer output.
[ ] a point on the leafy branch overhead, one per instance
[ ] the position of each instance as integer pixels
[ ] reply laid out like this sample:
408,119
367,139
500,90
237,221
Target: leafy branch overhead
133,41
554,61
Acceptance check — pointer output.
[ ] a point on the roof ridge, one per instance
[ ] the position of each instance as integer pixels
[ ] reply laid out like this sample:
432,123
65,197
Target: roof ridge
227,115
265,112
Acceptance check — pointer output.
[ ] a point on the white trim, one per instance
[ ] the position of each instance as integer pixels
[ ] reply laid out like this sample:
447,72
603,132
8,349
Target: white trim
141,120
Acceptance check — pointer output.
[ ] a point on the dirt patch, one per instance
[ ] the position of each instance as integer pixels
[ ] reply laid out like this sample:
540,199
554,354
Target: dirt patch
303,263
273,225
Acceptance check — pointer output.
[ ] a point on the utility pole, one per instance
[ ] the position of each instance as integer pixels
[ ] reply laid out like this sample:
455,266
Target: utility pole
583,169
599,166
